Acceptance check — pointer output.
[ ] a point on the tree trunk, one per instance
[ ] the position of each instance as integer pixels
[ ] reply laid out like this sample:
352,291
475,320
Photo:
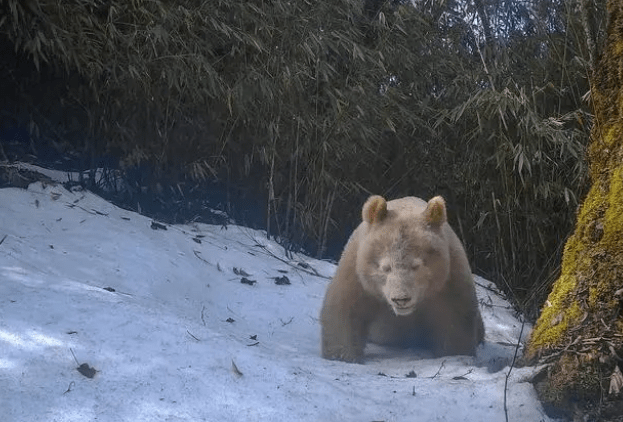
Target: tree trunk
580,330
484,20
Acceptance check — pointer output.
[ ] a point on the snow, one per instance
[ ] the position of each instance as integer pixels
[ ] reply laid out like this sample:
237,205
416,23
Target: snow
174,335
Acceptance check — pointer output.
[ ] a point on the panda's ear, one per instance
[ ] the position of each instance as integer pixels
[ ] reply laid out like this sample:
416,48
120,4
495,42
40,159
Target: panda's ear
374,210
435,212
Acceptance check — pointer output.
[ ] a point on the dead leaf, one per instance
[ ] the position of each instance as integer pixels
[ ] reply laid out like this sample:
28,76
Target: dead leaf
616,381
240,271
245,280
282,281
158,226
235,369
557,319
86,370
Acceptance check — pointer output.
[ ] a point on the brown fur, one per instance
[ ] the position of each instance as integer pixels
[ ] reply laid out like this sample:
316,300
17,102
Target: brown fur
403,279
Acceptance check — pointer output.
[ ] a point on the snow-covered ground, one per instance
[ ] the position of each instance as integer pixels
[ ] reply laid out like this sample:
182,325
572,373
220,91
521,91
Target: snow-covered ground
163,329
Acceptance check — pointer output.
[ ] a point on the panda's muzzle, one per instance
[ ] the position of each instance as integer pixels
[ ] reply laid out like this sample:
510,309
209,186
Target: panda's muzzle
402,305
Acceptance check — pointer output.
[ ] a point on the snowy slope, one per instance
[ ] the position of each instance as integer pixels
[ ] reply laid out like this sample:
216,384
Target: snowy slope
174,335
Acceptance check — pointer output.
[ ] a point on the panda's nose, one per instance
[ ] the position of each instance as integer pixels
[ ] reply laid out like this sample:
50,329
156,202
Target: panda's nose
401,301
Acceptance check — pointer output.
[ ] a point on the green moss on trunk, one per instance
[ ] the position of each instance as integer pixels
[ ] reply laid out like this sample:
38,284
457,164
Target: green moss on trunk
580,327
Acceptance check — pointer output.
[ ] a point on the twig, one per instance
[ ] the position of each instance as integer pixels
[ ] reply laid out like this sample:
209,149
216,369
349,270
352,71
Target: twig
523,323
284,323
312,272
71,384
491,289
551,356
439,370
223,248
462,377
82,208
72,352
298,267
202,318
190,334
197,255
4,237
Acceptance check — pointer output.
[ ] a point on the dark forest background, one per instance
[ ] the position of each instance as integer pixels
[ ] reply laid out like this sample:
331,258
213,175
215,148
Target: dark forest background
287,114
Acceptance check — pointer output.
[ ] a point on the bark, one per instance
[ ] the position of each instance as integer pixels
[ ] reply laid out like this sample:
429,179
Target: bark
580,329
